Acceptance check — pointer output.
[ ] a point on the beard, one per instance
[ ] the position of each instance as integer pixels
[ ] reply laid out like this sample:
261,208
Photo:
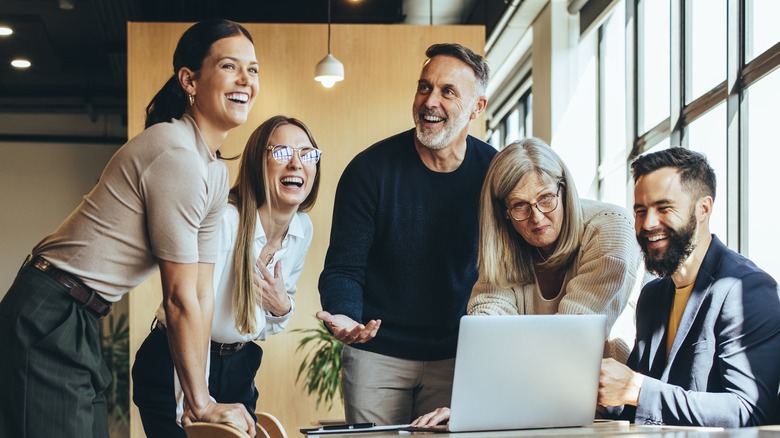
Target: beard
682,242
451,128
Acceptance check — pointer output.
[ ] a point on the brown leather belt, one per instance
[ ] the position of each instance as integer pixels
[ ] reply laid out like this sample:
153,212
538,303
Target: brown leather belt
216,347
226,349
80,293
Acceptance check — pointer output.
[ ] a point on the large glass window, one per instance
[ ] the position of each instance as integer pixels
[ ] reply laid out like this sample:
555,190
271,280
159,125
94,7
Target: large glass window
762,26
707,135
614,145
514,125
654,62
705,45
763,155
732,125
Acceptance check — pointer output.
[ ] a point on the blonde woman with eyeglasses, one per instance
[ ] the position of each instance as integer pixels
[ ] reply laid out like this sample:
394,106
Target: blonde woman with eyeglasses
264,237
542,250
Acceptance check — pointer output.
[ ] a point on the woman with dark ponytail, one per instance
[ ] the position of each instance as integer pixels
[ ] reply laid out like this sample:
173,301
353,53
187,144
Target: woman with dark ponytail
158,205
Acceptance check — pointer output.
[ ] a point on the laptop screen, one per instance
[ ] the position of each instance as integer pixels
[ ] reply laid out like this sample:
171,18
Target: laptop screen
526,371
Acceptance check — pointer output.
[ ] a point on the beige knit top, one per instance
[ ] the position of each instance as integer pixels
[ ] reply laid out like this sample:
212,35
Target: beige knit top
605,278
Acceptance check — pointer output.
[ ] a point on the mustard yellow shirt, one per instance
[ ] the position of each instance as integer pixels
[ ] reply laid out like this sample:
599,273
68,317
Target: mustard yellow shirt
681,296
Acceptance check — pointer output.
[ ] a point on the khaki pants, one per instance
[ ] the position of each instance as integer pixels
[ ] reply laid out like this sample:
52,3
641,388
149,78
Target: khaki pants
386,390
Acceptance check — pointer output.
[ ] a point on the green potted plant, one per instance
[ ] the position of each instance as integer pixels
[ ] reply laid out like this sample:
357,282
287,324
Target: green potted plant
115,346
321,368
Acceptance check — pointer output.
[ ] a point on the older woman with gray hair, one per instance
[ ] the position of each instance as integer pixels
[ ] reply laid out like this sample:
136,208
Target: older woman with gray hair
542,250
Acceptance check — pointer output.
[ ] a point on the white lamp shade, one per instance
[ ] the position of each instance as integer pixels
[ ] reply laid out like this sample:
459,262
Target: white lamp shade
329,71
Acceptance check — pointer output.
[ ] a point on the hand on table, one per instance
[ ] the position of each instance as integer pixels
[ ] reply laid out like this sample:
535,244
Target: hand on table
347,330
440,415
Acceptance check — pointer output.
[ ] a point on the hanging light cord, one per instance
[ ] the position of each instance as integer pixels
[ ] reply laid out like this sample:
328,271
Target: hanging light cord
328,27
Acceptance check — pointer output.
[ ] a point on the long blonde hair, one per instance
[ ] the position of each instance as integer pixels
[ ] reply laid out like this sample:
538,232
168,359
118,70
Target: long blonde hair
249,193
505,258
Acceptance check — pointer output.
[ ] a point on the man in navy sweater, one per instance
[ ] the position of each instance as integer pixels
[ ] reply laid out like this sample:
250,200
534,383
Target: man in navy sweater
403,247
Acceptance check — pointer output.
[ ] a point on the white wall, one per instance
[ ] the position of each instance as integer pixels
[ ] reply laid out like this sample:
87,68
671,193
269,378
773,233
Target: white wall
41,183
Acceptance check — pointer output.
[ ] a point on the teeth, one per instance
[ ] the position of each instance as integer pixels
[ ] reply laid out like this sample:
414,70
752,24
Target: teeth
429,118
656,237
292,180
238,97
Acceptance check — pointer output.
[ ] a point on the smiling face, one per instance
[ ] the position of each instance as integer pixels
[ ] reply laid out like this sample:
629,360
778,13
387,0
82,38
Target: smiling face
225,87
540,229
665,221
289,184
445,103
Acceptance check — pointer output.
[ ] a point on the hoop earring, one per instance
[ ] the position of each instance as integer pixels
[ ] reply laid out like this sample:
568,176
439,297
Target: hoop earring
192,99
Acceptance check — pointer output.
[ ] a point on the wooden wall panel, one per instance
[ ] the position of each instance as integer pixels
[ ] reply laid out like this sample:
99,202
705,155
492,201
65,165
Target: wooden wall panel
382,64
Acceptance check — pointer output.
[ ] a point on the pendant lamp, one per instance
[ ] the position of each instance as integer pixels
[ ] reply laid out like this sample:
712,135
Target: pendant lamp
330,70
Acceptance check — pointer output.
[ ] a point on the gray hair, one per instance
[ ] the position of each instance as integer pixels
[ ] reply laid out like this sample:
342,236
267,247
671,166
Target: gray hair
477,62
505,258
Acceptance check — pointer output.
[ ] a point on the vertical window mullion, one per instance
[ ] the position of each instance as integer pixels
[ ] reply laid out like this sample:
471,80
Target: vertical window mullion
600,99
677,63
736,145
639,36
632,86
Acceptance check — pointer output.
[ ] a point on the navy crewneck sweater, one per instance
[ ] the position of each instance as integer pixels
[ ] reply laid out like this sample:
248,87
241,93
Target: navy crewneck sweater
403,247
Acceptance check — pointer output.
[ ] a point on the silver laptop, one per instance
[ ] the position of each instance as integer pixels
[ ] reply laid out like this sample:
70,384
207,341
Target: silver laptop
529,371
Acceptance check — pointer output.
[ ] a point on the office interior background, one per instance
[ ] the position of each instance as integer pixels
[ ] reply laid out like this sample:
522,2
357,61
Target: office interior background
601,80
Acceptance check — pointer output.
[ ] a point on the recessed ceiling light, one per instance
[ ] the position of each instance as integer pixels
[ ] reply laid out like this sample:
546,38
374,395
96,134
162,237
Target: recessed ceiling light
5,31
67,5
21,63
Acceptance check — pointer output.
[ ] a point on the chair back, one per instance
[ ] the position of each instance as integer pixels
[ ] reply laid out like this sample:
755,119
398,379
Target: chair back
213,430
270,425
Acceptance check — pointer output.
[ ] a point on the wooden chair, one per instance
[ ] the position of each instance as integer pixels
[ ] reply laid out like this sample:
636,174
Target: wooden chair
270,426
213,430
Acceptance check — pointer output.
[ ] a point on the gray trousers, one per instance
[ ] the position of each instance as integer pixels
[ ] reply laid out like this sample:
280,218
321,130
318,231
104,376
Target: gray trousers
52,374
386,390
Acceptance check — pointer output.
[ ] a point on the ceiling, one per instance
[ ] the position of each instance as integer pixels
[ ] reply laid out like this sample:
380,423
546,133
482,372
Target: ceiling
78,47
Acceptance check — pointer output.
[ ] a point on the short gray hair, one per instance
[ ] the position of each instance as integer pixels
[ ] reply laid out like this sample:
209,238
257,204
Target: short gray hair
476,61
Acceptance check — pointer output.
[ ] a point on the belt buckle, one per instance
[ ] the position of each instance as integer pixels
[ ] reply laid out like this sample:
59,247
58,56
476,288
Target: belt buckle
41,264
222,350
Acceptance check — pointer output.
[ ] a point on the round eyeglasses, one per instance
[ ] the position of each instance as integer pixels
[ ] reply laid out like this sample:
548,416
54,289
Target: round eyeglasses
545,204
283,154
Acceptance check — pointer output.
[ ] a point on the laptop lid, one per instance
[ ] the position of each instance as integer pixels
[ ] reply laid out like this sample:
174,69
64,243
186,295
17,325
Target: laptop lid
526,371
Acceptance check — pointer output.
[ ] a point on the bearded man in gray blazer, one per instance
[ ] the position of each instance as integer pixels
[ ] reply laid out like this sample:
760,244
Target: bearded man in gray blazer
707,351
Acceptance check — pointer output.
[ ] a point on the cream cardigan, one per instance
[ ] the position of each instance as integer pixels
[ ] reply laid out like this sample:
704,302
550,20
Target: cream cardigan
605,278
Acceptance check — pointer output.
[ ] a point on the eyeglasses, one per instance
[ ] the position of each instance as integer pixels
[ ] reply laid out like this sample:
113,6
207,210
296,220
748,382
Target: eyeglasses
283,154
546,204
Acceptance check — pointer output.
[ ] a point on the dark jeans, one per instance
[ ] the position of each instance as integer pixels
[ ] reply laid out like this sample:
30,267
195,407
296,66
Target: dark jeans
52,373
231,380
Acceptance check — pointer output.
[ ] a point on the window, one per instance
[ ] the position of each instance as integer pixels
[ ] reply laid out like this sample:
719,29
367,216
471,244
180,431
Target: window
613,148
762,157
762,27
707,135
654,71
730,119
705,42
515,124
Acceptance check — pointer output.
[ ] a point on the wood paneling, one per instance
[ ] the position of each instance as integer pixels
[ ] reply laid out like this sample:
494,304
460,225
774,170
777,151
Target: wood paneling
382,64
